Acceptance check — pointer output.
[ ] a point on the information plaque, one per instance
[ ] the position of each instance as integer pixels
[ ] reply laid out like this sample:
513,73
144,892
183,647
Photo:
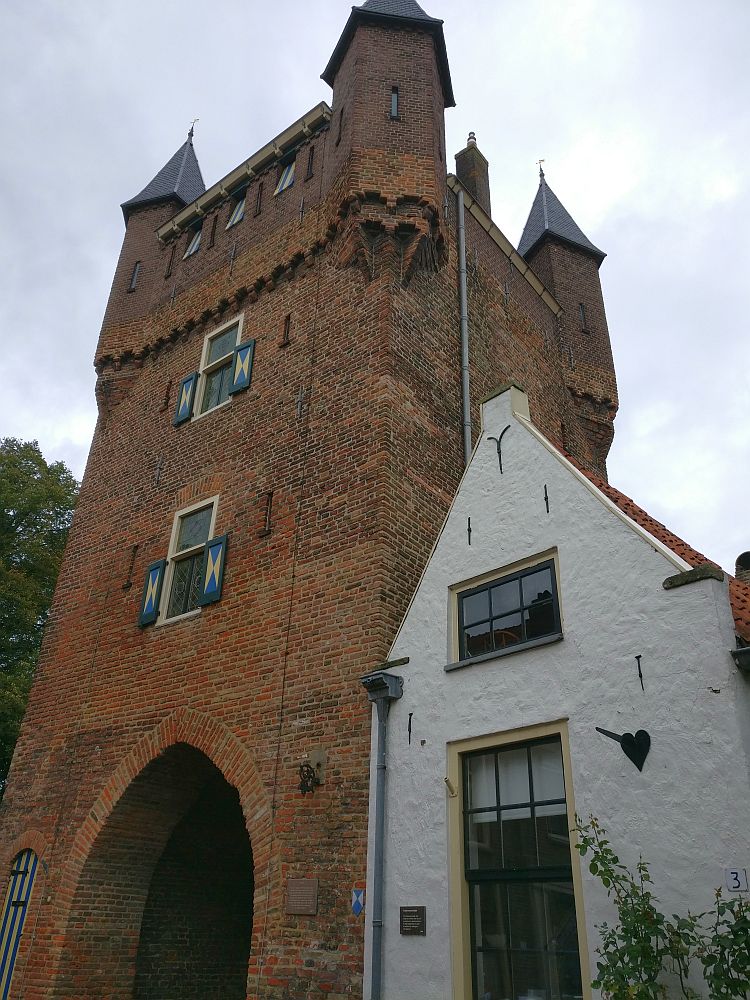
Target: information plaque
413,920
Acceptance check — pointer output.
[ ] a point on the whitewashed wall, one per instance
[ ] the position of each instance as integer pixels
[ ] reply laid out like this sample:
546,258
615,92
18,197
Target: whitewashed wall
688,813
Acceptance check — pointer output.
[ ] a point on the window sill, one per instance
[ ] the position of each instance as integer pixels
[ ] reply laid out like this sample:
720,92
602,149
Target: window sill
219,406
497,653
179,618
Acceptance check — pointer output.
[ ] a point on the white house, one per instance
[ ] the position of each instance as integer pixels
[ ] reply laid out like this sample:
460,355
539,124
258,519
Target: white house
542,615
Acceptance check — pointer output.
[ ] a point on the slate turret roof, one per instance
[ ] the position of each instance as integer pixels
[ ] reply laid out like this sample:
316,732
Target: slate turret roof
180,178
405,13
398,8
549,217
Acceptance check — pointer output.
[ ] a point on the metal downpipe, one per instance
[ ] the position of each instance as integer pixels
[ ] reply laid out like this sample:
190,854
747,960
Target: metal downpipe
382,688
463,303
378,865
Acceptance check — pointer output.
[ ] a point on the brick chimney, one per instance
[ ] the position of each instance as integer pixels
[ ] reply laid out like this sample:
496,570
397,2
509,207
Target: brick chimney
742,567
473,170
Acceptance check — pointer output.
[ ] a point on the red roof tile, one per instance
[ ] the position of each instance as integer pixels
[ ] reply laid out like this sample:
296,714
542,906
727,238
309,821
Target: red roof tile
739,592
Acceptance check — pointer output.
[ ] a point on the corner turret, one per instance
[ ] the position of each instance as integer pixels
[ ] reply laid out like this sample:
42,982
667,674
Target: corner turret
568,263
180,180
141,267
391,85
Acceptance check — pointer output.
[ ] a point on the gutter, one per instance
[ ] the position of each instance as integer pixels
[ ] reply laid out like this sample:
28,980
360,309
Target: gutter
302,129
382,689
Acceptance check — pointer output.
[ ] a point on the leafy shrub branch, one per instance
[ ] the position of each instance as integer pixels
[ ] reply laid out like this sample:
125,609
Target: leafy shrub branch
645,951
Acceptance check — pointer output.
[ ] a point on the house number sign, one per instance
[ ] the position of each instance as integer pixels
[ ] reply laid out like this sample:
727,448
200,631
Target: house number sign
735,879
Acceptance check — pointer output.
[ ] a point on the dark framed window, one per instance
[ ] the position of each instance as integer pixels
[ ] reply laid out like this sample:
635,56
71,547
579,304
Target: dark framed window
394,102
310,162
582,317
516,610
170,261
134,276
517,863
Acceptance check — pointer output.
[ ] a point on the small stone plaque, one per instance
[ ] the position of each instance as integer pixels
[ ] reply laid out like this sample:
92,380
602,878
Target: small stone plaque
302,896
413,920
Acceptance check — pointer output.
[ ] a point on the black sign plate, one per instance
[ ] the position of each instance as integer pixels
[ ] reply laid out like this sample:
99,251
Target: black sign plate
413,920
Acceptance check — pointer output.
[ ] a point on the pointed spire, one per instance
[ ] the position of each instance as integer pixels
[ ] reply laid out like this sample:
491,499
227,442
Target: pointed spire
180,178
549,217
401,12
397,8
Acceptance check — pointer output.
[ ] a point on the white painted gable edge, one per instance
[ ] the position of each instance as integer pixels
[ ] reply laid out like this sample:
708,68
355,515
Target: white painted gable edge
519,408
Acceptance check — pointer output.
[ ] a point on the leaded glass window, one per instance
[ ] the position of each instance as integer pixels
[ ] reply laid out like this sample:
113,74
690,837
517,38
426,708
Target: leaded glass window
185,587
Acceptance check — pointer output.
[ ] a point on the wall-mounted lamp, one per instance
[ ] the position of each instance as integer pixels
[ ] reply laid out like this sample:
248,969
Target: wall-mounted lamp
308,779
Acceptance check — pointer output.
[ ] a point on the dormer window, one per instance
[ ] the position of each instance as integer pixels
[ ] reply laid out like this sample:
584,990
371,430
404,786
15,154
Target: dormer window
286,178
238,212
195,242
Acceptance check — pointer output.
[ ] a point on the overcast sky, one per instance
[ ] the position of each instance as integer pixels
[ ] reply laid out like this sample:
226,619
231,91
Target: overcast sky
639,108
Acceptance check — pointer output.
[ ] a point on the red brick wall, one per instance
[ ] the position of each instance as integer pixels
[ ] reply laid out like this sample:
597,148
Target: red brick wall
361,481
197,922
573,278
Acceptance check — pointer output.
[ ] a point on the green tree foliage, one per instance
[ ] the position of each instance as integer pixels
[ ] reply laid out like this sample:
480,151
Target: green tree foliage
36,506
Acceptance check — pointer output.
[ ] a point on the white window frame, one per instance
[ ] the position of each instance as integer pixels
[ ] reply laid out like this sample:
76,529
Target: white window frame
286,178
195,243
238,211
174,557
206,368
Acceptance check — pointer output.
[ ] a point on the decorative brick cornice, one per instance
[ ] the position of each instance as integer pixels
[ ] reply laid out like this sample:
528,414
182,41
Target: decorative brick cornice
414,238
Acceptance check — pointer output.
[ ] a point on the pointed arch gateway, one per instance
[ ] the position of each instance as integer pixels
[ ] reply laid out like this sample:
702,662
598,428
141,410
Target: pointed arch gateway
169,864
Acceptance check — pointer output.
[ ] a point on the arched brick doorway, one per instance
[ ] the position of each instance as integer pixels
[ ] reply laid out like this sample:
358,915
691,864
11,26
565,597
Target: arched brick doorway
164,903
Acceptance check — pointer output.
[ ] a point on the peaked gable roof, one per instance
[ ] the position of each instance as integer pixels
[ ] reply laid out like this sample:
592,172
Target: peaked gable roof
180,178
398,12
739,592
549,217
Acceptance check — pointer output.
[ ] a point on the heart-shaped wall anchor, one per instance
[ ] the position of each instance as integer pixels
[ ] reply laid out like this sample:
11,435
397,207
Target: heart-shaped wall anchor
636,747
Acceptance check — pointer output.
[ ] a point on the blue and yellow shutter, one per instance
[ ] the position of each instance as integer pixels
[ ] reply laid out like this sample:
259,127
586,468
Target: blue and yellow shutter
185,399
213,570
16,906
152,592
242,366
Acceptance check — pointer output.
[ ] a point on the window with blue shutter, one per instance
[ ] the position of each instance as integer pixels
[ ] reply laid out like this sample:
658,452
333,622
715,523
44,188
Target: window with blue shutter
242,367
213,570
152,592
192,575
16,906
185,399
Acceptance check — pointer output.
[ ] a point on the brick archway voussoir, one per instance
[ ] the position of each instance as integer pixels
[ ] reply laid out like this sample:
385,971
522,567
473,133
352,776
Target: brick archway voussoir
225,751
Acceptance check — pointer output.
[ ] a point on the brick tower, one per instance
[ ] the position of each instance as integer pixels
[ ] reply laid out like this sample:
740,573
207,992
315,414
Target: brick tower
568,263
279,437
